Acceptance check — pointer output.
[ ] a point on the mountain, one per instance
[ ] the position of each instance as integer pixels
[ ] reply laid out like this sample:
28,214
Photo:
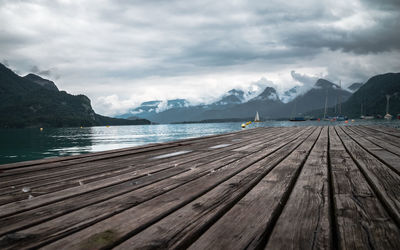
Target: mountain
32,101
267,104
290,94
177,109
269,94
47,84
315,98
230,106
233,96
354,87
149,109
372,95
233,105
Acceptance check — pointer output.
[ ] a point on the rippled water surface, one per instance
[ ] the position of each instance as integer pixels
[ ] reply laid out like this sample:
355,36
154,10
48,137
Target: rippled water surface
29,144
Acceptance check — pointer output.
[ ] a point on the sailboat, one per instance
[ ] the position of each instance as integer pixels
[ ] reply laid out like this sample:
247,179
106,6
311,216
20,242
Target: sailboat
295,118
326,106
257,118
340,117
364,110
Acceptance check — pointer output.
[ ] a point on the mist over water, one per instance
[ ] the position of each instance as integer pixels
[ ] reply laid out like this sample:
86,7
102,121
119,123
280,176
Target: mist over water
30,144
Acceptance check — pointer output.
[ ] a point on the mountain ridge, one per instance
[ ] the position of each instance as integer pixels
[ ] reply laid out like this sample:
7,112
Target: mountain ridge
27,103
370,98
267,103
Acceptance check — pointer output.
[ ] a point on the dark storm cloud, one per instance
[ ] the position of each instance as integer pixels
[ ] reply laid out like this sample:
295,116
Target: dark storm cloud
393,5
371,40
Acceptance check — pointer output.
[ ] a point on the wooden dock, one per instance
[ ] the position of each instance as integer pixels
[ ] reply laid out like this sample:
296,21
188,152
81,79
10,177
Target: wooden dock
265,188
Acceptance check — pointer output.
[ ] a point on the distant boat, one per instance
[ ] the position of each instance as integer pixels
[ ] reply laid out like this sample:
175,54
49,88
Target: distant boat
388,117
341,118
294,118
257,118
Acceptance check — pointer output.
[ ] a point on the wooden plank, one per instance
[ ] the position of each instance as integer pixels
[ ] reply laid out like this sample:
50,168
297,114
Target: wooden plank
304,222
77,181
385,156
361,219
109,190
376,140
247,224
180,228
386,129
64,194
262,183
117,193
383,180
174,195
384,137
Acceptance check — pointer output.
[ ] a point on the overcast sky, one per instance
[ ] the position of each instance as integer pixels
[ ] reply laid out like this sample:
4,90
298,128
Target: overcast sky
120,53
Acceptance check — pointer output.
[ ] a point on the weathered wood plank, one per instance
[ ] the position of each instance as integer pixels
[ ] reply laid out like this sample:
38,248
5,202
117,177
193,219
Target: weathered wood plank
123,185
376,140
383,180
63,182
304,222
384,136
267,189
64,224
385,156
361,220
246,224
386,130
154,209
52,210
190,157
179,229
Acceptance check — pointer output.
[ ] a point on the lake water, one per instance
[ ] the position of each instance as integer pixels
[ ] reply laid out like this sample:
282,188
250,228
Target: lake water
30,144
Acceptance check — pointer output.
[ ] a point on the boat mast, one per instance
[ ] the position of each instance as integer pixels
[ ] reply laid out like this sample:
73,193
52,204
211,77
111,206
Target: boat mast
340,97
326,103
387,103
336,104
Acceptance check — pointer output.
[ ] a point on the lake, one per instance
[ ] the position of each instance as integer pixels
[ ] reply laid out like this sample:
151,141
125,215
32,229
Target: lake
30,144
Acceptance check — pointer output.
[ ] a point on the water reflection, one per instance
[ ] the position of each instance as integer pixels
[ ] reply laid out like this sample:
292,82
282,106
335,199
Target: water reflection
29,144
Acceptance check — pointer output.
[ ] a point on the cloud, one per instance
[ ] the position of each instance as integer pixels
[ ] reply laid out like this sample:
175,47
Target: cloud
135,51
306,80
163,105
5,62
52,73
